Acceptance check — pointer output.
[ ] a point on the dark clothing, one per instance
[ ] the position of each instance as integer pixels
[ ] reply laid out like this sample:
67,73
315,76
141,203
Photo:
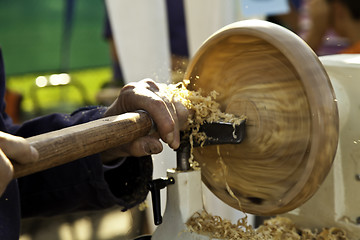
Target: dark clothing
79,185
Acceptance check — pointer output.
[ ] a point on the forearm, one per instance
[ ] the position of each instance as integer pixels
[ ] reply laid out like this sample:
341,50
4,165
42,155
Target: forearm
84,185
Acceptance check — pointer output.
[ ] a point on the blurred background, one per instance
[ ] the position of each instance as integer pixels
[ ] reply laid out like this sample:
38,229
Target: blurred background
53,37
63,54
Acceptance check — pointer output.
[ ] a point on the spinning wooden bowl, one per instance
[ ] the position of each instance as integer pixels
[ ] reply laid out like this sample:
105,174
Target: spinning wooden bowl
270,75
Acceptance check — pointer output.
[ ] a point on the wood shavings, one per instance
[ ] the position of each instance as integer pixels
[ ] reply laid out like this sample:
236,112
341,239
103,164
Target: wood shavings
278,228
284,228
143,206
202,108
216,227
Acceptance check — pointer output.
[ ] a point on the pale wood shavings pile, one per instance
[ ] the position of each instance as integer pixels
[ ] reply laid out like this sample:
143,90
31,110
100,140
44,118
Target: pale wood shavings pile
278,228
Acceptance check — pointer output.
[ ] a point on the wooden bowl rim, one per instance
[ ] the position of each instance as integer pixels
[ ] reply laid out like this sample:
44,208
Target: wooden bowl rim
318,89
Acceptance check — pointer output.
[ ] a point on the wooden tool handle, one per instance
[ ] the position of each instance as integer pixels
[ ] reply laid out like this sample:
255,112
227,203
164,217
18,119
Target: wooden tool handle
68,144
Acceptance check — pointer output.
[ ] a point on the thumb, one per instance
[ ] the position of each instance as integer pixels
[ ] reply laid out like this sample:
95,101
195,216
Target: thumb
17,148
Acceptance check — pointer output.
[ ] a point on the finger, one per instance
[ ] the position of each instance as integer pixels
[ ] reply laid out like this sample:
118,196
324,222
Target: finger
157,105
150,84
182,113
6,172
17,148
162,112
145,146
172,138
178,112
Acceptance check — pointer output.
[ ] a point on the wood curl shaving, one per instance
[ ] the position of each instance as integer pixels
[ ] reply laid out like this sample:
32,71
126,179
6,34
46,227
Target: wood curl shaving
216,227
203,109
278,228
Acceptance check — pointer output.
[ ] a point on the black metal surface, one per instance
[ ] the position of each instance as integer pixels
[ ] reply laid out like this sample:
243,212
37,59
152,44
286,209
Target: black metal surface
155,186
146,237
216,132
182,156
222,133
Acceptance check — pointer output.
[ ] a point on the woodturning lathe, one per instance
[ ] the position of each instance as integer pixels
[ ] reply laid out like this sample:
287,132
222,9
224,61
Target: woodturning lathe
272,76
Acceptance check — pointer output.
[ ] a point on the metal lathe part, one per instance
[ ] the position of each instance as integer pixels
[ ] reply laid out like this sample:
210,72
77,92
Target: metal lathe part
182,157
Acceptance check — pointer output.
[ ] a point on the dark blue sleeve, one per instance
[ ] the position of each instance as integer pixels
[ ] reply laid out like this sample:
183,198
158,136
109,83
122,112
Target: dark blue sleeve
82,184
79,185
55,121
